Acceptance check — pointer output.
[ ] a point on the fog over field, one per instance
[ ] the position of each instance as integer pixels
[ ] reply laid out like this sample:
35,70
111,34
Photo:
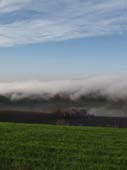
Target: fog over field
101,94
111,87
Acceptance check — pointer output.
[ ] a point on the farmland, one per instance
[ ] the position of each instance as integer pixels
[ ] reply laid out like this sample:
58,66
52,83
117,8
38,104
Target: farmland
51,147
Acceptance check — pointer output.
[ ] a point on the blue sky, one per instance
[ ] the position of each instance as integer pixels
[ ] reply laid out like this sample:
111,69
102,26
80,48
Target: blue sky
62,39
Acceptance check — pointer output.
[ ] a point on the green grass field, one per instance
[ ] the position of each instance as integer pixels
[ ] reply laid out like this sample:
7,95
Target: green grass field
45,147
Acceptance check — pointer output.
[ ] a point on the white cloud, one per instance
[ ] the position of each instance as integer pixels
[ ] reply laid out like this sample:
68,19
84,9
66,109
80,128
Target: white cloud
12,5
113,87
61,20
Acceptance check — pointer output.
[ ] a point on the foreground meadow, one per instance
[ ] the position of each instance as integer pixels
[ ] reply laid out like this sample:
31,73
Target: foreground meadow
49,147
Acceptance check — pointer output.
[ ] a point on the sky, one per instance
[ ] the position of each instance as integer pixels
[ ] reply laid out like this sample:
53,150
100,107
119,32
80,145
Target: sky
62,39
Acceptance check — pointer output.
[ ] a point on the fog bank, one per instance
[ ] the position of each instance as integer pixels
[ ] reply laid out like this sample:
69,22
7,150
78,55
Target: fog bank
111,87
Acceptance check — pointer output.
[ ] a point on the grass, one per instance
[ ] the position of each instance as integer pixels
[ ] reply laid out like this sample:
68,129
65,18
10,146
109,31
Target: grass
48,147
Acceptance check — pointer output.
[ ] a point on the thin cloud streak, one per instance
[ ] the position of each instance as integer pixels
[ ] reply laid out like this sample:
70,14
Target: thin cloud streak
61,20
7,6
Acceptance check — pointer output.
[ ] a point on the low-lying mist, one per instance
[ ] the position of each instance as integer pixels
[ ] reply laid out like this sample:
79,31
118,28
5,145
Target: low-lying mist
110,87
100,95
